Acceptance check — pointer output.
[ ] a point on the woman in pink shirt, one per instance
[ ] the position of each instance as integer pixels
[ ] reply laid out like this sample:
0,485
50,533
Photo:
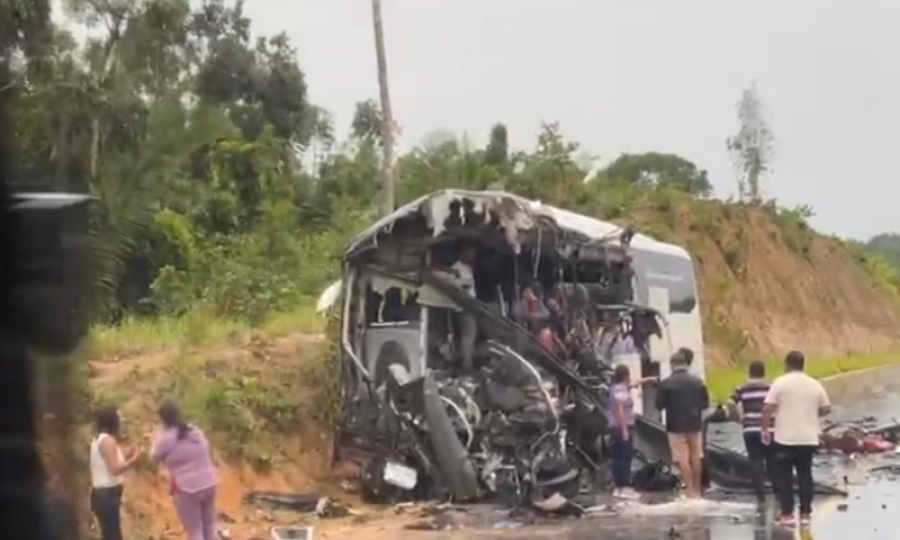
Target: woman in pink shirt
184,451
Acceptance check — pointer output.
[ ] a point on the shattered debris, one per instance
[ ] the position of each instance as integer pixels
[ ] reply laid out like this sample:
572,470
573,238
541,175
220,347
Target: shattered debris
856,439
479,333
323,507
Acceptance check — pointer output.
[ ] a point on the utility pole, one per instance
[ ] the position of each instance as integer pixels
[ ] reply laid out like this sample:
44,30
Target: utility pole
387,119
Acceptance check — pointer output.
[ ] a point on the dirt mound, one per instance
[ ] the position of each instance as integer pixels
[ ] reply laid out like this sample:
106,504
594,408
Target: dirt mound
256,401
768,284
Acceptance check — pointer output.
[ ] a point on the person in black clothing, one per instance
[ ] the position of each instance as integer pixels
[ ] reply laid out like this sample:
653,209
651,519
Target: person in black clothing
748,399
683,397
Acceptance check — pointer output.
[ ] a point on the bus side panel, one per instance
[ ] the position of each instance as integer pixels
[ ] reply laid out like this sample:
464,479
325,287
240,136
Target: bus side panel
676,275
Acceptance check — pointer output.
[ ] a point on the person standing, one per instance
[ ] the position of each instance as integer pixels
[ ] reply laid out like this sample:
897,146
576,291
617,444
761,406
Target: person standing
684,397
795,401
183,449
468,326
749,400
620,417
108,462
688,354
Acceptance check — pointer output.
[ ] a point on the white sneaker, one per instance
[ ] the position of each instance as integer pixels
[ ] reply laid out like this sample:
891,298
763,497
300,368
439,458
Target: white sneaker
628,494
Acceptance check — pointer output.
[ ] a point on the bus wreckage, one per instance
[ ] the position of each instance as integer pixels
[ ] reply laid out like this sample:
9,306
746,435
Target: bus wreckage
479,332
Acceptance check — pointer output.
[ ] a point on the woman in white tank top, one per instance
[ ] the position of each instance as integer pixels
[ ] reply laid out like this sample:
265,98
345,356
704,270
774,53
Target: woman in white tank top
108,463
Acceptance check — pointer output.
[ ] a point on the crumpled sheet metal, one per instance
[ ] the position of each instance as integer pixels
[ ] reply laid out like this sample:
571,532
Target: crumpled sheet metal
514,216
515,213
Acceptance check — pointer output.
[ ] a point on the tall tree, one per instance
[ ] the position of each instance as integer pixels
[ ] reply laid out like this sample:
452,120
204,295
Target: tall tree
752,147
497,151
367,121
24,27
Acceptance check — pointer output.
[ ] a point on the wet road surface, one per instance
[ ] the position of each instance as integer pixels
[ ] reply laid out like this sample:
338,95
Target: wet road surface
868,513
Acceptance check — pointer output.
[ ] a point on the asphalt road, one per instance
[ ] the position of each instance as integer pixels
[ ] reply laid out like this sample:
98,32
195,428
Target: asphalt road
868,513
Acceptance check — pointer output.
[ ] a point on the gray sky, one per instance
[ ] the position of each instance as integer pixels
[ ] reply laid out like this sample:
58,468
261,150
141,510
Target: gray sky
634,75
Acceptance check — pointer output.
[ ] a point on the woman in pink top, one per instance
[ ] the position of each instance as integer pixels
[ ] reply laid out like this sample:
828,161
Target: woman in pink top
185,452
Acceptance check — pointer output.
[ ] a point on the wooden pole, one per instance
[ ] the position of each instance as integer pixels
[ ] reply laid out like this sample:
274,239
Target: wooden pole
387,119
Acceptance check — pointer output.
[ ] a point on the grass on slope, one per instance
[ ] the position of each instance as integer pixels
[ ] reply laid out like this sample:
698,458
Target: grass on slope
722,381
198,329
194,329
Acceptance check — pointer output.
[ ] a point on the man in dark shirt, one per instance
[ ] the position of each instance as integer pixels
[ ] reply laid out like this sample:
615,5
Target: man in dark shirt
749,399
684,397
688,355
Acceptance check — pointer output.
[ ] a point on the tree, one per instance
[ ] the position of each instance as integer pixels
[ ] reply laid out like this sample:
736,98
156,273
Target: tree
24,28
752,147
366,124
887,245
654,169
497,151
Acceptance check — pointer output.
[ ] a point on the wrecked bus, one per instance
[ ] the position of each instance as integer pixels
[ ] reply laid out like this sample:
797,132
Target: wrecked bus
479,330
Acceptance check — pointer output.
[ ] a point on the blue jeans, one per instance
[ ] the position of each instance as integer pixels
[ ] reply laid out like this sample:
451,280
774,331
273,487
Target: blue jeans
621,456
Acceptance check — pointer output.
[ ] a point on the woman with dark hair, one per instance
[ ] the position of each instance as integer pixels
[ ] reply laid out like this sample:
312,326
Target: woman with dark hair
621,417
183,449
108,462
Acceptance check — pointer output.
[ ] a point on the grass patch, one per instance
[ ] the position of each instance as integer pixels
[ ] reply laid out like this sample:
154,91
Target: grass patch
245,405
303,318
196,328
722,381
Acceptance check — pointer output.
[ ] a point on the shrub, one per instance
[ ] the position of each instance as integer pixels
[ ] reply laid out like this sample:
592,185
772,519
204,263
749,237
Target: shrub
795,229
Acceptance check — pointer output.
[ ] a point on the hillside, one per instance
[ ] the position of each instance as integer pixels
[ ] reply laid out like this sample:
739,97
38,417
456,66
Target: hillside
265,395
768,283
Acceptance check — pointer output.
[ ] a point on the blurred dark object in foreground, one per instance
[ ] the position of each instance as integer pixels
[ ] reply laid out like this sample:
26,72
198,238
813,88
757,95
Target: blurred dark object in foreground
50,300
43,307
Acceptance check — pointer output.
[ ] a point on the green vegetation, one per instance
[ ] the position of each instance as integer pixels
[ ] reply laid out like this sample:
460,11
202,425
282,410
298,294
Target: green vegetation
723,380
196,329
225,197
877,259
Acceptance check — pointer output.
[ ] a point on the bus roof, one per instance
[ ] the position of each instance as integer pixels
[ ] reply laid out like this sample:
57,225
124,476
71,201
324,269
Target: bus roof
436,204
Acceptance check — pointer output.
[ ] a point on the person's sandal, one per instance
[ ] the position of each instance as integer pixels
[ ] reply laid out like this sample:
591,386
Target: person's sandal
805,520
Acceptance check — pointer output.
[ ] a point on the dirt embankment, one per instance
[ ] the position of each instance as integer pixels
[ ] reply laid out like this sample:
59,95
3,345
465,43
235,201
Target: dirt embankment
768,284
260,402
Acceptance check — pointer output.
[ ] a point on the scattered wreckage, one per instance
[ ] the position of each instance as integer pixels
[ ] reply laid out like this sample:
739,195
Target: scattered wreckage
486,380
858,438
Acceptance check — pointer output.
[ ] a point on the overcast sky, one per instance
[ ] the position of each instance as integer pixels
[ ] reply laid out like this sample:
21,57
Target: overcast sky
633,76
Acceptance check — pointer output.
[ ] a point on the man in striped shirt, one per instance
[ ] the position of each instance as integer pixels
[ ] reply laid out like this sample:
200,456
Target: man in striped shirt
749,399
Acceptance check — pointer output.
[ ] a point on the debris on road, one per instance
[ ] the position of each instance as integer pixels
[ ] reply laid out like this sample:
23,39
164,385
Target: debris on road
323,507
856,439
304,532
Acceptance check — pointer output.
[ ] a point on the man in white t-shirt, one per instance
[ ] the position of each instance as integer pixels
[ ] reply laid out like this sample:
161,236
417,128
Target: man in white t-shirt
796,401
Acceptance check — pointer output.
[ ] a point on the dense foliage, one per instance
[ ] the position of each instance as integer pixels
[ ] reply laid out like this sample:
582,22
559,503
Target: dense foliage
219,185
